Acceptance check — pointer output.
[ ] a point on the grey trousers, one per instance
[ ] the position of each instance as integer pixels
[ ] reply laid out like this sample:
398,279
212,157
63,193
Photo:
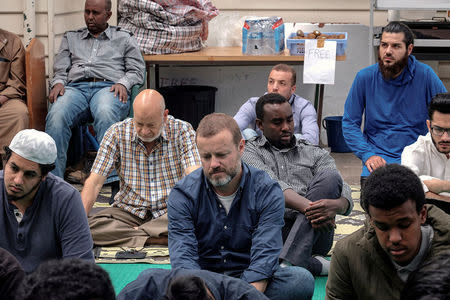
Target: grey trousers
300,240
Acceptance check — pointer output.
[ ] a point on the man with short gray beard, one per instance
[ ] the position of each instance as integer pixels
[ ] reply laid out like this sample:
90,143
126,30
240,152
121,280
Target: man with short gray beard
150,152
227,217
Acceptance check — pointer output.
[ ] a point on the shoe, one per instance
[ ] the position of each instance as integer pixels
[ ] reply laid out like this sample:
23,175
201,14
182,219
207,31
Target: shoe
78,177
325,264
285,264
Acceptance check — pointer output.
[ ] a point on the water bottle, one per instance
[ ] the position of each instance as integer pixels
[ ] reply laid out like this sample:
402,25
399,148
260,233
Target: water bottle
254,37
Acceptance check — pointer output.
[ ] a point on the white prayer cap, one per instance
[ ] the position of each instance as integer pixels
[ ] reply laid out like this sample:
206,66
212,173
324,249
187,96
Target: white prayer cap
34,145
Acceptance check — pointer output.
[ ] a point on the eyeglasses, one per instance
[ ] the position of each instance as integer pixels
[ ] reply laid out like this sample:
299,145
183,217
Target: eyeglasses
439,131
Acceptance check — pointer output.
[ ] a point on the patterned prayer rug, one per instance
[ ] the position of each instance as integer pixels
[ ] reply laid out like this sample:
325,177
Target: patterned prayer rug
345,225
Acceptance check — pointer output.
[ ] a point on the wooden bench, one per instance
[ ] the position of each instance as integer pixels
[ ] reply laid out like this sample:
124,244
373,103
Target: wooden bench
35,84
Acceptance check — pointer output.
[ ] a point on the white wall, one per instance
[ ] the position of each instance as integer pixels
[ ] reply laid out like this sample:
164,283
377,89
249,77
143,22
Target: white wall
64,15
302,11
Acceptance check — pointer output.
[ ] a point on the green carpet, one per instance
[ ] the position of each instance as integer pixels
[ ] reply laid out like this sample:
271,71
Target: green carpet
122,274
319,288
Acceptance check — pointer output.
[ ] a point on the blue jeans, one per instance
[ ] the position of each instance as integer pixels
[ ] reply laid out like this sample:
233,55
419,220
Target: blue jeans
81,102
290,283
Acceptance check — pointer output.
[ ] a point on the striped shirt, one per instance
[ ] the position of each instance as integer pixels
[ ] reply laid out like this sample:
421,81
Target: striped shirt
294,167
146,179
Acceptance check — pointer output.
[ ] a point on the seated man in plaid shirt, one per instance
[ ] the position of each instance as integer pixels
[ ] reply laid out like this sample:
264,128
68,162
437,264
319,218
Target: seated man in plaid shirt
150,153
313,189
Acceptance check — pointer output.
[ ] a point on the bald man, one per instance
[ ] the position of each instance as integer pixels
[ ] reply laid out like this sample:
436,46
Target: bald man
150,153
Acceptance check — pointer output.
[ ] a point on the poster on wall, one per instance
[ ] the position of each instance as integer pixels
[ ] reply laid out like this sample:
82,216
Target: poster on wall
320,61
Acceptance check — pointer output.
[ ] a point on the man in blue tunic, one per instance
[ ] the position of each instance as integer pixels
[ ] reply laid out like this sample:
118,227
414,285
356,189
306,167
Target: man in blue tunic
393,95
41,216
227,217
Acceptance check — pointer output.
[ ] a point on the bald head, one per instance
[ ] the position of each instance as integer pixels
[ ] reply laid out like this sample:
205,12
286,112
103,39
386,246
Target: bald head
150,114
148,100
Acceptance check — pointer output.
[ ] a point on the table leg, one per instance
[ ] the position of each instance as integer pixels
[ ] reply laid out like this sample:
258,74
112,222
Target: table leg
316,97
148,66
152,73
320,105
156,76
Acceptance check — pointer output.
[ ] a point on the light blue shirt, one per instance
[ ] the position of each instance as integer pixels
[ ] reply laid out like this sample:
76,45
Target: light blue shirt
305,118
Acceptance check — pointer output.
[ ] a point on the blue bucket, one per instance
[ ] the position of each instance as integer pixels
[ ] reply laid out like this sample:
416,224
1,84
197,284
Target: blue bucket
336,142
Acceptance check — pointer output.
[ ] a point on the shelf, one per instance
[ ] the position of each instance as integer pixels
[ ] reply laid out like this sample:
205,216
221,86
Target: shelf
412,4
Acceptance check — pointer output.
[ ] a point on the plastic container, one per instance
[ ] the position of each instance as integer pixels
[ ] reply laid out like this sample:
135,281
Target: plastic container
189,102
263,36
297,46
336,142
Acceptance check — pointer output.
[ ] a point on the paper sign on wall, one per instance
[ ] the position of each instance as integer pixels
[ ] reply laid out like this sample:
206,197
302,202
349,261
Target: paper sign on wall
320,62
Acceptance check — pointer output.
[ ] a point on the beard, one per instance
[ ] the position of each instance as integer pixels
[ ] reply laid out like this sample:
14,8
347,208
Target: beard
230,175
436,144
17,198
156,136
279,144
390,72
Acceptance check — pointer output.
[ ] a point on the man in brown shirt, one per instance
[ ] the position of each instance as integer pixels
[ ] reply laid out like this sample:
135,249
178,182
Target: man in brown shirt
13,110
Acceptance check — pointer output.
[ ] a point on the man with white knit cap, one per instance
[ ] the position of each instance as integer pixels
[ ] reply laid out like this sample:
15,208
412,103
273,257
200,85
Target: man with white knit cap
42,217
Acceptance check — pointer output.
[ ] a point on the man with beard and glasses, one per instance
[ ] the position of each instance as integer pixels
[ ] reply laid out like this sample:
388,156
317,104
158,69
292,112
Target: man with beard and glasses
401,233
227,217
393,95
429,156
42,216
95,69
150,152
313,189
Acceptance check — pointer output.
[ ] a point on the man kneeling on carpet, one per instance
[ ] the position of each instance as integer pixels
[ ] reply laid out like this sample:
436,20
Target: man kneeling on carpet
401,233
150,152
180,284
41,215
227,217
